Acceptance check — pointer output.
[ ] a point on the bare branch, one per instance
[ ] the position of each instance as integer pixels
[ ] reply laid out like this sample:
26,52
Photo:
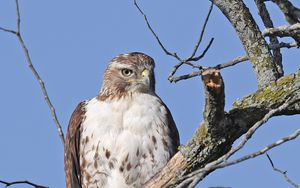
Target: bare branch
202,172
173,54
18,16
214,100
283,31
265,16
284,173
203,53
292,136
182,61
232,62
222,162
35,73
284,45
185,76
250,35
176,67
201,35
258,124
204,148
8,30
291,13
8,184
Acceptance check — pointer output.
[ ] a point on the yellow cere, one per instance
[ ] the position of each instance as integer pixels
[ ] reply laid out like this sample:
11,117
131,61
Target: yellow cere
145,73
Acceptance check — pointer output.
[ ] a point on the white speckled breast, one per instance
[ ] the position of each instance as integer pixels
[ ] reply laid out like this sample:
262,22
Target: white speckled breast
123,142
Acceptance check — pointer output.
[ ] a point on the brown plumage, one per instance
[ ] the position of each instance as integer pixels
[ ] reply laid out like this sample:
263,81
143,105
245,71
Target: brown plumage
123,136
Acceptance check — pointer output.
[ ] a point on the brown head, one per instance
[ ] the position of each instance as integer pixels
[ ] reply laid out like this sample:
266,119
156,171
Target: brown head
127,74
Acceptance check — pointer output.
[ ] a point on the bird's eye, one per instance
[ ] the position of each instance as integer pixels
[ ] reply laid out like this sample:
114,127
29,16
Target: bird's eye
127,72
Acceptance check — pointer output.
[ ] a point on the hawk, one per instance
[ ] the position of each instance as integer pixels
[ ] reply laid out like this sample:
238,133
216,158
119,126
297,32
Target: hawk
125,135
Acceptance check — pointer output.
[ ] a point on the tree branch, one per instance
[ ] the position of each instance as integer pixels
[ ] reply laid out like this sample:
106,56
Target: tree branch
284,45
284,173
253,41
8,30
213,113
222,162
283,31
35,73
233,62
214,166
291,13
8,184
265,16
192,56
290,137
182,61
206,148
173,54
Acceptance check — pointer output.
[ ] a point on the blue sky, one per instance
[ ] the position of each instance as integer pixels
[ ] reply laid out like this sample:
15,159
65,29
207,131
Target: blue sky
71,42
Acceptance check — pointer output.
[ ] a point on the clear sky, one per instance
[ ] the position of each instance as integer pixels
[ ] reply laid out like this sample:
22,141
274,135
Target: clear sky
71,42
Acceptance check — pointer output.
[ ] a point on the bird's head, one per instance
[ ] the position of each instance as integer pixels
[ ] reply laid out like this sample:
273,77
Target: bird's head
127,74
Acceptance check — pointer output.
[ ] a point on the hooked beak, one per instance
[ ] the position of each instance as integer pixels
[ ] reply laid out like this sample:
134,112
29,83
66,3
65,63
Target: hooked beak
145,77
142,83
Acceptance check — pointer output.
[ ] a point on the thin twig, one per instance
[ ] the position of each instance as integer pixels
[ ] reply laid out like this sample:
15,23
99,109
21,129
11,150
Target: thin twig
284,173
182,61
35,73
8,30
8,184
173,54
202,32
18,16
203,53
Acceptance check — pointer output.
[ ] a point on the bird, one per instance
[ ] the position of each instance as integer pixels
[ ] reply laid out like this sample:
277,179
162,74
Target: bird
123,136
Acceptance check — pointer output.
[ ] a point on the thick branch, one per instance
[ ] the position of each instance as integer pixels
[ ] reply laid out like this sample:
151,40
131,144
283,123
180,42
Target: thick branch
222,162
209,130
265,16
253,41
214,100
205,148
201,173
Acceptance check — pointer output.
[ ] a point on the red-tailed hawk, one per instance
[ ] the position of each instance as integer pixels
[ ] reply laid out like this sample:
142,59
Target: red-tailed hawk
123,136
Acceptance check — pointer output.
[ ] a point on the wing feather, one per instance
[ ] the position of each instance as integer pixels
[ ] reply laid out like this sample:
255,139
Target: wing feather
71,157
174,135
173,131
